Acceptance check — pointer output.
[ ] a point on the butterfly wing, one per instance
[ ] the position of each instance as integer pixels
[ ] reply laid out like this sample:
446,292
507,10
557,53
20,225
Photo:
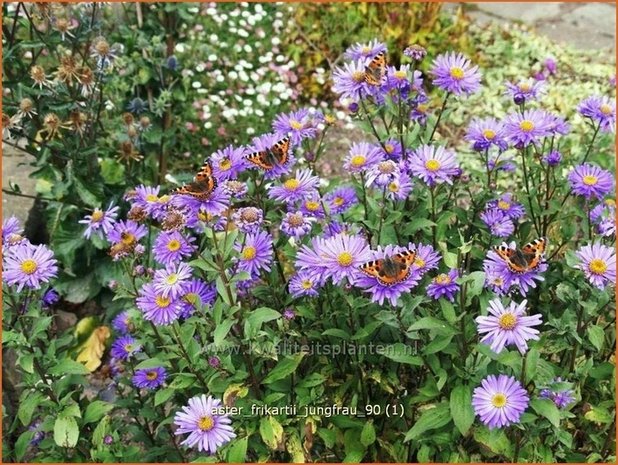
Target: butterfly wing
533,253
281,150
268,159
376,70
390,270
204,173
524,260
201,190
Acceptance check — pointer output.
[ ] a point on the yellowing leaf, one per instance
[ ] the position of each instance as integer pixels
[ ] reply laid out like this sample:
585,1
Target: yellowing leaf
233,392
91,351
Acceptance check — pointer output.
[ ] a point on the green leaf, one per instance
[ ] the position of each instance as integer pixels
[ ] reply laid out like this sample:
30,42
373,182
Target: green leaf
495,440
368,434
257,318
87,196
599,415
237,452
547,409
99,433
430,419
401,353
461,408
429,322
284,368
28,405
21,445
151,363
66,431
271,432
221,332
68,367
163,395
596,336
97,410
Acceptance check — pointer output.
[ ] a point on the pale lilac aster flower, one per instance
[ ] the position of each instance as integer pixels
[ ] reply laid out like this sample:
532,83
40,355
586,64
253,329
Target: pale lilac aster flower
498,223
160,309
455,74
122,323
235,189
562,397
208,430
255,252
124,348
382,173
228,163
149,378
527,128
399,188
197,294
553,158
604,216
365,51
416,52
127,231
28,265
100,222
312,205
557,125
601,110
434,165
349,81
298,125
426,257
172,281
598,262
147,197
483,133
392,150
525,90
591,181
296,224
172,247
341,199
500,401
215,204
508,326
507,205
303,183
361,156
12,233
305,283
248,219
444,285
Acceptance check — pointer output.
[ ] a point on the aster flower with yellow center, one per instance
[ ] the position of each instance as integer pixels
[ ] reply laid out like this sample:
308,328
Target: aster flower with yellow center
598,262
500,401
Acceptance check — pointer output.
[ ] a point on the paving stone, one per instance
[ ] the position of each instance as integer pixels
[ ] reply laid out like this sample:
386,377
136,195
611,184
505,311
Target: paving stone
525,12
597,17
15,171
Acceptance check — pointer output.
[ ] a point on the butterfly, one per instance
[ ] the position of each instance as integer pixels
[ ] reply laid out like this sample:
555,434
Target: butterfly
528,258
376,70
203,186
390,270
277,155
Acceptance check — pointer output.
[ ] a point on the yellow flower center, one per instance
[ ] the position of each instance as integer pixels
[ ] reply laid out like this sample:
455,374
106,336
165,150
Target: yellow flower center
128,348
418,261
442,279
165,198
291,184
204,216
225,164
524,86
422,108
498,400
432,165
249,252
507,321
457,73
338,201
610,202
29,266
152,198
206,423
172,279
365,50
597,266
358,160
191,298
330,119
173,245
489,134
162,302
498,282
400,74
127,238
151,375
389,148
606,109
393,187
526,125
306,284
502,205
590,180
358,76
312,205
97,216
345,259
295,124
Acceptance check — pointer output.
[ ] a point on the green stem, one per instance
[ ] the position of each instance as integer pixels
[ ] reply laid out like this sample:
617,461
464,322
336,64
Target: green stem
439,117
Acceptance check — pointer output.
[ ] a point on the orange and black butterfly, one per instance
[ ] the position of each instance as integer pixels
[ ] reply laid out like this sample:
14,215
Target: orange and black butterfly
375,71
204,185
277,155
528,258
390,270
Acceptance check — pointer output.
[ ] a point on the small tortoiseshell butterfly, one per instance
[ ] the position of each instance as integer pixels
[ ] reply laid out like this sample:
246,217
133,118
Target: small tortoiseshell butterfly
524,260
203,186
390,270
277,155
376,70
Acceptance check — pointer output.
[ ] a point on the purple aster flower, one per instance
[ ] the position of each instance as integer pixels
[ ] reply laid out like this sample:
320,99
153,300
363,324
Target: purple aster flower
553,158
296,224
557,125
201,219
550,65
426,257
391,151
100,222
124,348
235,189
598,262
434,165
156,307
11,231
508,326
214,361
50,298
256,252
601,110
123,323
420,108
483,133
416,52
381,291
402,80
499,401
208,430
365,51
361,156
382,173
341,199
349,81
498,223
171,281
525,90
289,314
147,198
38,434
455,74
604,215
265,143
444,285
296,188
127,232
298,125
149,378
172,247
197,294
228,163
590,181
507,205
248,219
305,283
28,265
214,205
312,205
501,278
527,128
400,187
